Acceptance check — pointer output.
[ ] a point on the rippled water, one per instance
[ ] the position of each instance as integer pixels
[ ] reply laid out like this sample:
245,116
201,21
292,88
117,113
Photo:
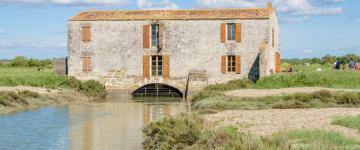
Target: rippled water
113,123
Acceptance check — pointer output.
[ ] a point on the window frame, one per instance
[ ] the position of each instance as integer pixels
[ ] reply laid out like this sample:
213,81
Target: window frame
156,66
231,31
230,63
154,35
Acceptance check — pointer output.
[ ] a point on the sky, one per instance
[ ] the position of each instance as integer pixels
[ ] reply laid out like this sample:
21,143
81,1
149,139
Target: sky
308,28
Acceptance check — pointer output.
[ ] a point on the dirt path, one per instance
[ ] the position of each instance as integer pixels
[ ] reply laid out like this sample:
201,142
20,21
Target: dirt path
284,91
266,122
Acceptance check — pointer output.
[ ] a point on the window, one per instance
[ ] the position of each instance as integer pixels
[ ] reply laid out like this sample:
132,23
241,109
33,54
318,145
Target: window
154,35
231,29
86,35
231,63
156,66
86,64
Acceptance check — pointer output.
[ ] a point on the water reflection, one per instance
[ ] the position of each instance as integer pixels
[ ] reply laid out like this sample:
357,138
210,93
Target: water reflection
114,123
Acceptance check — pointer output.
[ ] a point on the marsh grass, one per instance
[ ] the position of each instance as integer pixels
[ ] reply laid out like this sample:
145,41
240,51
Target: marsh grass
348,121
320,99
190,132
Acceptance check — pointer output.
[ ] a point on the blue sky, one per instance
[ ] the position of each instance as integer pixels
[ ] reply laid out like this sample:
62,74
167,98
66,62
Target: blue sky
309,28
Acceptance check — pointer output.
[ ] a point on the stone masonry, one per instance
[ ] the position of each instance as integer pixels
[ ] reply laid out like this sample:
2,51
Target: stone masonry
193,46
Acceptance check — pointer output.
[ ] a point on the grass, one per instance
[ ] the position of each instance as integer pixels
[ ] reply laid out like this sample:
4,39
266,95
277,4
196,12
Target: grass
45,78
190,132
29,77
320,99
328,78
348,121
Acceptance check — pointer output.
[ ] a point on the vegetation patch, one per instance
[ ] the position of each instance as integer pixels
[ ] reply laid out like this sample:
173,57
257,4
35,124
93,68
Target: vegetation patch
45,78
320,99
349,122
328,78
190,132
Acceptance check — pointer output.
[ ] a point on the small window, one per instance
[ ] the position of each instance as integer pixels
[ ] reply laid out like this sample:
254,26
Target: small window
231,63
86,61
156,66
86,34
273,38
231,29
154,35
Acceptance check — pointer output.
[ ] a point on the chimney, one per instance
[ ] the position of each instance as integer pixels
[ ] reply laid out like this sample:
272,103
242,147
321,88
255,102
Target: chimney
269,5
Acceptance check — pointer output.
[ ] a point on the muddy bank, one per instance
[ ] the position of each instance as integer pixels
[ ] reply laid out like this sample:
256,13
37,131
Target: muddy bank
22,98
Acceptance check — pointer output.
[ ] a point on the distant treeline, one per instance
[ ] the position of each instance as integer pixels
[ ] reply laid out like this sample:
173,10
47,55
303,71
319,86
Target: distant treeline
21,61
327,59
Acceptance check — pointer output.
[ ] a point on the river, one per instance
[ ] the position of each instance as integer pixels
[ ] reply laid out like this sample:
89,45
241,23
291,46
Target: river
112,123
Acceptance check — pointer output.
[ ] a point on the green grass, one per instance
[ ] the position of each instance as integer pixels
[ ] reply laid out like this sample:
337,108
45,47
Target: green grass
329,78
30,77
349,121
190,132
321,99
45,78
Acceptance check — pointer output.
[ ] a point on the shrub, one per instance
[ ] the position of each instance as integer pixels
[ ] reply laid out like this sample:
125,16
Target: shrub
93,88
89,88
173,133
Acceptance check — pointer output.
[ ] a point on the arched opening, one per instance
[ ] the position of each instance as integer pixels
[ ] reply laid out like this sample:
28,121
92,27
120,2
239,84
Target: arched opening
157,89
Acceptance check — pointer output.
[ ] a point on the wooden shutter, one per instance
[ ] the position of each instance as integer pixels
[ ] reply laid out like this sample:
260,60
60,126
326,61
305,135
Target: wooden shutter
161,35
146,36
166,67
89,67
223,64
84,64
146,66
277,62
223,33
86,34
238,32
237,64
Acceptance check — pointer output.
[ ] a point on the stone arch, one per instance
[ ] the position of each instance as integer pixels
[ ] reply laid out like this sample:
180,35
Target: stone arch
157,89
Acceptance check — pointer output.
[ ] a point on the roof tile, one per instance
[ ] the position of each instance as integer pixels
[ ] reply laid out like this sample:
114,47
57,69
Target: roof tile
201,14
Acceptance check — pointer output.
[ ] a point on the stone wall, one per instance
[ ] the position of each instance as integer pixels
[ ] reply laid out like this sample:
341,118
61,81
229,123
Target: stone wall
117,51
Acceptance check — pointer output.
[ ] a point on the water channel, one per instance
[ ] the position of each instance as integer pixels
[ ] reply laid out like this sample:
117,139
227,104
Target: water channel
112,123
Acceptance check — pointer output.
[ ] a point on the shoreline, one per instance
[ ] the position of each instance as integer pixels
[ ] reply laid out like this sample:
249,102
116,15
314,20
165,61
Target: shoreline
23,98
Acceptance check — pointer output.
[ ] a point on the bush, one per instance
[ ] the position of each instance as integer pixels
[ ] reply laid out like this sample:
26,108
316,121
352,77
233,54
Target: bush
93,88
89,88
21,61
172,133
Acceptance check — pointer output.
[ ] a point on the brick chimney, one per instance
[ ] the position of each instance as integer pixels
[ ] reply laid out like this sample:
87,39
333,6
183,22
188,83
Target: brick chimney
269,5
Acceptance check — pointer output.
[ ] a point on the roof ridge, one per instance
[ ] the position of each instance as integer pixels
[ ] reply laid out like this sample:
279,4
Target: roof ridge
175,14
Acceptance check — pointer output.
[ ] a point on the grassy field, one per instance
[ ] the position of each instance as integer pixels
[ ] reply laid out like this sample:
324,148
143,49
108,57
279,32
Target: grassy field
29,77
190,132
15,76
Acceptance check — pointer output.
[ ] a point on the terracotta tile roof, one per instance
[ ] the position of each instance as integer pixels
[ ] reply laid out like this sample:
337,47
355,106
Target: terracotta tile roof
201,14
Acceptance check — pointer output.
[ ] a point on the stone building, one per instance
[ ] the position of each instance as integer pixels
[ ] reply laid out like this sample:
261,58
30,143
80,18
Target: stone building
182,49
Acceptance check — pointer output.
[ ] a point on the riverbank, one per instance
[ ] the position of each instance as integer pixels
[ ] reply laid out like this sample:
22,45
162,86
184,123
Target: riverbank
22,98
285,111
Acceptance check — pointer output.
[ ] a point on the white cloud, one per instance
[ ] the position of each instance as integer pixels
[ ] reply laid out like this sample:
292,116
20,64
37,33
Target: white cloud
2,32
307,51
293,11
299,19
156,4
67,2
